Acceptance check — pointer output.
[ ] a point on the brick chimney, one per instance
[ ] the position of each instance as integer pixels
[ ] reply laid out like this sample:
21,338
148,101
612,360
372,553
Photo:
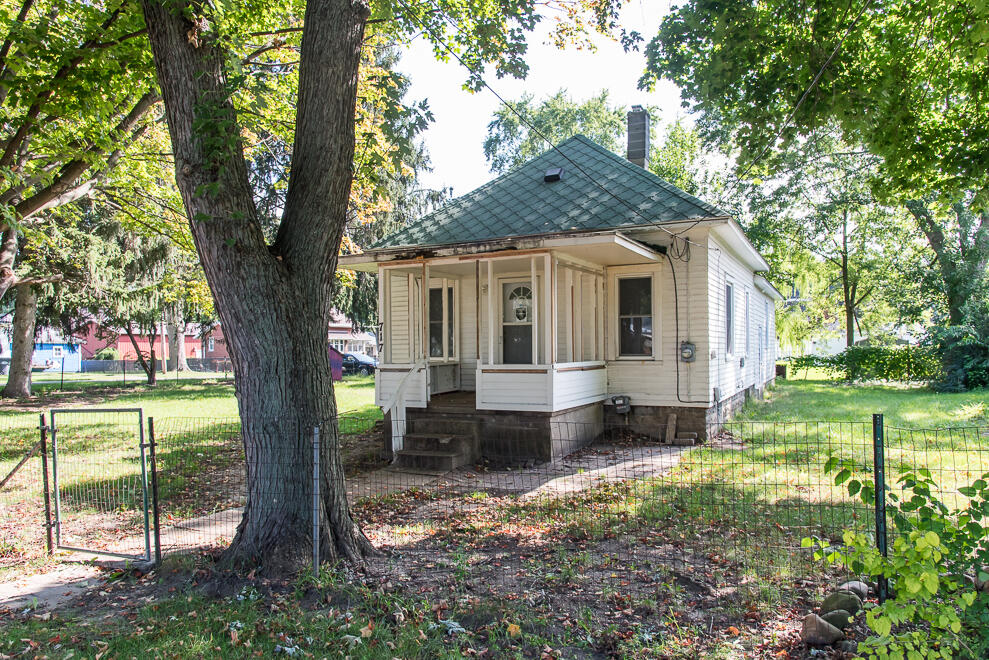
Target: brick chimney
638,136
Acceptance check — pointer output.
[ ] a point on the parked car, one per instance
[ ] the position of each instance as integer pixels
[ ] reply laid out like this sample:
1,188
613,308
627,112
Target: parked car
357,363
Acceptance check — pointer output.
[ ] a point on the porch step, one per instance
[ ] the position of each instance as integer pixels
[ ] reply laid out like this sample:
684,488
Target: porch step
434,442
442,425
429,460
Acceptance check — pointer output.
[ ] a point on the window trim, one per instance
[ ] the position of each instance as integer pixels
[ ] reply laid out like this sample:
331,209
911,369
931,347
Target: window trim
614,318
439,284
58,352
534,322
748,325
729,317
210,345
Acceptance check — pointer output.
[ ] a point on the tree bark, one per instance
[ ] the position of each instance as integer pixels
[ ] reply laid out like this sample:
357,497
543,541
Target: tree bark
150,369
847,287
22,353
8,254
954,286
176,334
273,301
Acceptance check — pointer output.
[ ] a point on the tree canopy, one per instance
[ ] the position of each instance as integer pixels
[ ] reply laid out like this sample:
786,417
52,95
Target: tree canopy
904,78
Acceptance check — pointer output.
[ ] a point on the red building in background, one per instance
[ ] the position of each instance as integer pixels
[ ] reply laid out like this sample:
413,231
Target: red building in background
214,346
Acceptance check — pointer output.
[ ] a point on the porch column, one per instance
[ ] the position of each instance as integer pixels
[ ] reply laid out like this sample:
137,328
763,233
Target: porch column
383,280
536,301
491,319
425,314
548,294
446,311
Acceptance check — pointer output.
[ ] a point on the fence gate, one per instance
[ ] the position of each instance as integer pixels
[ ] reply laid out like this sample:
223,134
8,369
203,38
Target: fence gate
100,481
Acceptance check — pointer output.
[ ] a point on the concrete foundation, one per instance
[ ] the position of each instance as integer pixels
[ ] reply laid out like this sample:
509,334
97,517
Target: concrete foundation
700,419
510,438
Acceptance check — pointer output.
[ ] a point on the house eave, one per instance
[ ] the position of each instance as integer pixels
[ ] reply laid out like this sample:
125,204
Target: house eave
767,287
370,260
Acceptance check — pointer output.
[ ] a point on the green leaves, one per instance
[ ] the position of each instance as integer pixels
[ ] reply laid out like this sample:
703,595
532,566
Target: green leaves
933,555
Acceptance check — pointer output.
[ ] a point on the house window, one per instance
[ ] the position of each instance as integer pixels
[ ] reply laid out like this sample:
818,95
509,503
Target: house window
441,323
729,318
210,345
57,352
635,317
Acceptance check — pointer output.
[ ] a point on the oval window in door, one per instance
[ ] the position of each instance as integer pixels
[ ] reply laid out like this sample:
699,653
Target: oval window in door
520,304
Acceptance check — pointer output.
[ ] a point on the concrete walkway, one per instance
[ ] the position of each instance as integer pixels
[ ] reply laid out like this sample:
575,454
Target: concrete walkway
583,470
51,590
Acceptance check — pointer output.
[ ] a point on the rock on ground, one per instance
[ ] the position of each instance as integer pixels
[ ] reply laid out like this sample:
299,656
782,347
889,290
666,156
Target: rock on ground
838,618
857,587
841,600
818,632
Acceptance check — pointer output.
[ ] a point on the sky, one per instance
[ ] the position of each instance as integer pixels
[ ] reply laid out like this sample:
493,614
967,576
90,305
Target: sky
455,139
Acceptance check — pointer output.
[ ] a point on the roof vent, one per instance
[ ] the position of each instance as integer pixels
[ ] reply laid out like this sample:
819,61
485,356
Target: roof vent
553,174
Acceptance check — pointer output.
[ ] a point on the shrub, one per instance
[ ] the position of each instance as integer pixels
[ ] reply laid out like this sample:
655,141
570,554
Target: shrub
963,351
856,363
936,560
108,353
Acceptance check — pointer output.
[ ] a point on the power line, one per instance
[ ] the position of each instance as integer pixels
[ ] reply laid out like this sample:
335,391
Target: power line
682,253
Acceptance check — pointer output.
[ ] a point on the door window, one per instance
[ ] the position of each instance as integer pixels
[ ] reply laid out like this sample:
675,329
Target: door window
517,312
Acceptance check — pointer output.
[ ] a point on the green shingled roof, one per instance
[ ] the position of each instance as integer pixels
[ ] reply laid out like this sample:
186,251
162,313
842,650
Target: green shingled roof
520,203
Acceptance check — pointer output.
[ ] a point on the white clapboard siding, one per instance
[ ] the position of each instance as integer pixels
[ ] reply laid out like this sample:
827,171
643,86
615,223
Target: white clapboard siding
744,367
514,389
579,384
387,380
653,382
397,334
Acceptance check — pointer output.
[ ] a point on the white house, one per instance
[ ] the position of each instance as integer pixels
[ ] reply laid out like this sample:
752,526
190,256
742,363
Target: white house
512,316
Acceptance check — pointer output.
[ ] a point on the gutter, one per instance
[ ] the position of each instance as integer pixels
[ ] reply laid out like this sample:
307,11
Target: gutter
528,241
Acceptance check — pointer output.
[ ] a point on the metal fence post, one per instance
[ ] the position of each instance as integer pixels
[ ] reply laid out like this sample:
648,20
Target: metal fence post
144,486
879,474
152,455
58,504
315,501
44,483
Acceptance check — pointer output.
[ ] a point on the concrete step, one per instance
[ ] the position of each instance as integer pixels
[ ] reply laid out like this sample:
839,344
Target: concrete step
436,442
442,425
429,460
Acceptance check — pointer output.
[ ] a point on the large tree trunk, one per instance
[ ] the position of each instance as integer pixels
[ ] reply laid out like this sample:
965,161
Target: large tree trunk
176,334
148,363
8,253
22,353
273,301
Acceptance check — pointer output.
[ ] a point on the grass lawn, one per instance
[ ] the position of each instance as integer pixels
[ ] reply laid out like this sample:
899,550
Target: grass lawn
907,406
171,398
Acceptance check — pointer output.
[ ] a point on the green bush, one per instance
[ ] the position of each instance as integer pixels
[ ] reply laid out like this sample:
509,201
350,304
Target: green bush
963,351
900,364
108,353
935,563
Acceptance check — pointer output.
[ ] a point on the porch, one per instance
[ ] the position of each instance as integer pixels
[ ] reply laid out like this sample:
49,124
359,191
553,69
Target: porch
520,331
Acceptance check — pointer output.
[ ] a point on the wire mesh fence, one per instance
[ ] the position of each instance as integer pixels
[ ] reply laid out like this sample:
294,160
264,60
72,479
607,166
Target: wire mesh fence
65,375
22,516
609,509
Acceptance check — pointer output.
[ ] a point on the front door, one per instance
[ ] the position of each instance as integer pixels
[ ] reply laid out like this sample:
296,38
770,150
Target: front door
516,322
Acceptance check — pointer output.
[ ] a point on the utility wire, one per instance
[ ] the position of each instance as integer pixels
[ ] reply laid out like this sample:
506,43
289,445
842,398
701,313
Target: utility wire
682,253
